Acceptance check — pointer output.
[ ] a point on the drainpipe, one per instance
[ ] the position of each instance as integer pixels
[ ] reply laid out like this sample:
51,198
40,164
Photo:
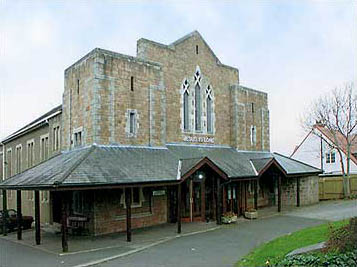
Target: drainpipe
3,160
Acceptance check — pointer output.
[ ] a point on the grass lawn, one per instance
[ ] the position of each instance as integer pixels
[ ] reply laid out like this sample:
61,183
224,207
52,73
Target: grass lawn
276,249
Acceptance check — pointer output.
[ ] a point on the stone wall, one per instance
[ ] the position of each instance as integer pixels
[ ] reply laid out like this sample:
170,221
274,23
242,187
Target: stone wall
232,118
101,104
110,213
309,191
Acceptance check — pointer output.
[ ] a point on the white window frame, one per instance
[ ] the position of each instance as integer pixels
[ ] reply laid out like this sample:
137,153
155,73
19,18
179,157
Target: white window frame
31,141
329,157
7,163
56,136
43,137
18,158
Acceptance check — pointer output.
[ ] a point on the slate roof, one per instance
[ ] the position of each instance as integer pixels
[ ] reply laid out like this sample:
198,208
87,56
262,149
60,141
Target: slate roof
33,124
99,165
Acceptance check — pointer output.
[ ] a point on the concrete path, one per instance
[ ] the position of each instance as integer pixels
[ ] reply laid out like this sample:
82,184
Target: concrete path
220,247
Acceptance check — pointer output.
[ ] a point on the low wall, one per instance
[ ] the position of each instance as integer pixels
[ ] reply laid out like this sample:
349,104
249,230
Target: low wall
110,214
331,187
309,191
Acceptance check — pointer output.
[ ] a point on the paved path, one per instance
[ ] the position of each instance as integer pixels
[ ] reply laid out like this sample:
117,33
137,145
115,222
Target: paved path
220,247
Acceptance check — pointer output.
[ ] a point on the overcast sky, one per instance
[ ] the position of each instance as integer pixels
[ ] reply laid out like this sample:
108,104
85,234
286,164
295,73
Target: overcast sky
293,50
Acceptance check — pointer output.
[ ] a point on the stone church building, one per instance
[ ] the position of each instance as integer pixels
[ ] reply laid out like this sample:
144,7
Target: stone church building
167,136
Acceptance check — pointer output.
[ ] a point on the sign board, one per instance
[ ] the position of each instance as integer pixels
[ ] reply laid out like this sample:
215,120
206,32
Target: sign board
158,193
199,139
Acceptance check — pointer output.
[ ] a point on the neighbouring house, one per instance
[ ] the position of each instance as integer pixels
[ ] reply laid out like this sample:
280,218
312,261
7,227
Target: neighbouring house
167,136
318,149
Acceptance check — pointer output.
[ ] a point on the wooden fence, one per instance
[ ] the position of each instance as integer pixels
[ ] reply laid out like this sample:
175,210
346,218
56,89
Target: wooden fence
331,187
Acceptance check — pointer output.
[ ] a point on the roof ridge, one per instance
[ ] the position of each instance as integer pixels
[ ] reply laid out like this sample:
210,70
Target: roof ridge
75,165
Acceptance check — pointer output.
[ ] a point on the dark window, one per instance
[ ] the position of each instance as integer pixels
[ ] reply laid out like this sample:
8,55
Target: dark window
252,107
136,196
330,157
77,86
132,83
196,49
209,114
185,111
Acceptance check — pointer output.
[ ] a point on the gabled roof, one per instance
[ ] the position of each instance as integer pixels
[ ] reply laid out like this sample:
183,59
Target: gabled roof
329,137
100,165
32,125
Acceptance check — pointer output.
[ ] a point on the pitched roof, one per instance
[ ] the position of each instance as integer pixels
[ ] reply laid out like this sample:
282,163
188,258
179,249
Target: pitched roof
99,165
339,140
34,123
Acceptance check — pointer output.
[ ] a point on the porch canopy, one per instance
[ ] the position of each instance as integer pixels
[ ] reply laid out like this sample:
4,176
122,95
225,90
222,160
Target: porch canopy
106,166
100,167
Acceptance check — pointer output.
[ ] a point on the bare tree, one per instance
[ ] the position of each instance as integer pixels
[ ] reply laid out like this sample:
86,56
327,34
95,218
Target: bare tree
336,112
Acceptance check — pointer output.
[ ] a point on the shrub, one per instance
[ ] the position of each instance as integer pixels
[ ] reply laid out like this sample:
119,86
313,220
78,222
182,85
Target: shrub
331,259
342,239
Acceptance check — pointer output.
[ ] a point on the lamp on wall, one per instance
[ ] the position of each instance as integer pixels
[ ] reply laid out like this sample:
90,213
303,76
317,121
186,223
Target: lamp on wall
199,176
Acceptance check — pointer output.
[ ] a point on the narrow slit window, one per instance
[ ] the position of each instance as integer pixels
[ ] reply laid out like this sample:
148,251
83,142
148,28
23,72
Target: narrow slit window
196,49
132,83
252,107
77,86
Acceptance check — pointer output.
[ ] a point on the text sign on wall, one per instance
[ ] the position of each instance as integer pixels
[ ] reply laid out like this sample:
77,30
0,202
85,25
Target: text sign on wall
198,139
158,193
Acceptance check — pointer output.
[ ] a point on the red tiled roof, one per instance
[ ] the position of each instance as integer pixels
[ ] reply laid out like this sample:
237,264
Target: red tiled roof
338,140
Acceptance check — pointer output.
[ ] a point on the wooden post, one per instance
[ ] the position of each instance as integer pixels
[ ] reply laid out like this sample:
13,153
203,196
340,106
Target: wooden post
203,201
256,194
224,190
298,192
237,199
19,215
245,196
4,207
191,200
37,218
219,202
64,223
128,213
179,209
279,193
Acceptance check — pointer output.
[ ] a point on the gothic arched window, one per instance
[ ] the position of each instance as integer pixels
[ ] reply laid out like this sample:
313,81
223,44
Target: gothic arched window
209,109
186,110
198,104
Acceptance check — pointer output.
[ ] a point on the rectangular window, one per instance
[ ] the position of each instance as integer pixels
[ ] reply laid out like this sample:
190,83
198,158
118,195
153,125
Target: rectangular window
252,107
78,202
44,147
77,86
30,195
331,157
132,122
253,136
136,196
30,154
56,138
44,196
9,163
78,139
18,158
